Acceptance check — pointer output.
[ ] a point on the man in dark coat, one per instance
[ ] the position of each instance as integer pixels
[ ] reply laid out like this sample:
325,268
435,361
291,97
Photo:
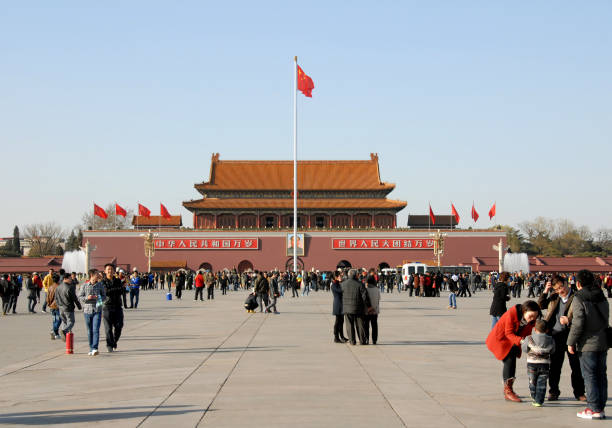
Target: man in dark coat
112,309
501,294
32,293
355,303
5,293
587,338
336,290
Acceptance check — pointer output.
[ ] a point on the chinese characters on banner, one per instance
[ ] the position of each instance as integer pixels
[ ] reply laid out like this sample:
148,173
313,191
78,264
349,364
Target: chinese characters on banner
207,244
382,244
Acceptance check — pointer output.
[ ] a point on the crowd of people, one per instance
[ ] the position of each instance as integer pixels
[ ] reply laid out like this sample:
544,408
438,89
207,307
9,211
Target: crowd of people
570,317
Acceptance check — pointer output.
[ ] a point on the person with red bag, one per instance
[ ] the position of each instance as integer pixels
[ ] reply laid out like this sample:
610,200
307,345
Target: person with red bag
505,339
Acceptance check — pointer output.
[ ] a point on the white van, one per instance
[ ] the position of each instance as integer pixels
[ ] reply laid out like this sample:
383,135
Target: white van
410,268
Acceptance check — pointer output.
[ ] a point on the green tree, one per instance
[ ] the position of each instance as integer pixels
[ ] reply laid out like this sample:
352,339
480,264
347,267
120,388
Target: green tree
516,241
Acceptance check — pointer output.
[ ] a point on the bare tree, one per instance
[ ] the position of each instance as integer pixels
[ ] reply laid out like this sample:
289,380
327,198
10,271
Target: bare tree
89,221
45,238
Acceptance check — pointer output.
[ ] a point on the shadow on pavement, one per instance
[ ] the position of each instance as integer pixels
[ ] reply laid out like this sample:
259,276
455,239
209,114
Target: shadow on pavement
203,350
434,342
91,415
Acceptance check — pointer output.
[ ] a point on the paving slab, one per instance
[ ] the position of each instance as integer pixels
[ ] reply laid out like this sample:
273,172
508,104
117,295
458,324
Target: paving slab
191,363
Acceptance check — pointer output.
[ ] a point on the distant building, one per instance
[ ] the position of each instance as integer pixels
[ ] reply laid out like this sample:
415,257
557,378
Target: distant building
156,221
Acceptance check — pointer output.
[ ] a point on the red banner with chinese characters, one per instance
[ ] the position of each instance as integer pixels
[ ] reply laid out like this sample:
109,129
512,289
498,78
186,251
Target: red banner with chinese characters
382,244
207,244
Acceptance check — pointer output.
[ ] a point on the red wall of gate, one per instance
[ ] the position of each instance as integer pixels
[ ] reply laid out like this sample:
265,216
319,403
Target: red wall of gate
126,249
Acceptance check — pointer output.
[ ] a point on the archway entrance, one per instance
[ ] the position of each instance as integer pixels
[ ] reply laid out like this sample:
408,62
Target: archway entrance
289,264
383,265
244,266
206,266
344,264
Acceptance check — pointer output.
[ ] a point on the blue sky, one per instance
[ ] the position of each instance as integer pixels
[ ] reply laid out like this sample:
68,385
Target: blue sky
484,101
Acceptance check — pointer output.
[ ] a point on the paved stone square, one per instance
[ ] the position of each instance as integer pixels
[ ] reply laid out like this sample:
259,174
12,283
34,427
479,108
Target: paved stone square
187,363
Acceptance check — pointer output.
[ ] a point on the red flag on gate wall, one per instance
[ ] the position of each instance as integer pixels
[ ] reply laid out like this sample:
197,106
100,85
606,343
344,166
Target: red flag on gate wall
164,212
492,211
455,213
100,212
144,211
120,211
432,217
304,82
474,214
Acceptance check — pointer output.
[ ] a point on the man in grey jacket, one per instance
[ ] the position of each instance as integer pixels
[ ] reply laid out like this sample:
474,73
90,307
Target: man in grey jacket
587,338
355,303
66,299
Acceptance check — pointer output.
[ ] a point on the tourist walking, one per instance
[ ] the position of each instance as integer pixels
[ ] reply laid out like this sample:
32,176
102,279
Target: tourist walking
52,305
295,286
32,289
66,299
261,289
46,284
112,310
587,338
135,281
452,296
557,299
199,286
355,302
501,294
223,283
179,284
273,293
371,317
92,295
15,287
504,341
5,293
209,280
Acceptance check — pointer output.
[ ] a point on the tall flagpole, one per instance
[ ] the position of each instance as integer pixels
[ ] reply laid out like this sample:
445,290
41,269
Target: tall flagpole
295,165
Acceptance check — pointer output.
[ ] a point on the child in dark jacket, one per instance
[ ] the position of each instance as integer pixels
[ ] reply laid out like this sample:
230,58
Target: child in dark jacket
539,346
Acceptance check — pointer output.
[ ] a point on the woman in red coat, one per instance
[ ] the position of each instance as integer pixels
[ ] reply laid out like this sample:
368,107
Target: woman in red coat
504,341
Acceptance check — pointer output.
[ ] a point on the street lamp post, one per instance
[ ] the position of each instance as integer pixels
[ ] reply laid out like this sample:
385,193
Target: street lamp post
149,246
438,245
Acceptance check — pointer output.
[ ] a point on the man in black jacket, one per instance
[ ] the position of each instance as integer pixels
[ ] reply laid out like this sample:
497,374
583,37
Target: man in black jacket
588,338
112,310
261,289
66,299
5,293
355,303
501,294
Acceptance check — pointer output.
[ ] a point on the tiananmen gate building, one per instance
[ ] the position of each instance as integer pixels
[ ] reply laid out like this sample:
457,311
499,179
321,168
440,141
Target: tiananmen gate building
244,220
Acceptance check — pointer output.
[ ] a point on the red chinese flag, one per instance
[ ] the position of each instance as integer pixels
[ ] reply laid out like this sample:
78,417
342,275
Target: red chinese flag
432,217
474,214
100,212
144,211
492,212
120,211
164,212
304,82
455,213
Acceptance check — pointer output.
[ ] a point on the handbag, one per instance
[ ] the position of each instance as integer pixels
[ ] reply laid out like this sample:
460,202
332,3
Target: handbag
608,329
